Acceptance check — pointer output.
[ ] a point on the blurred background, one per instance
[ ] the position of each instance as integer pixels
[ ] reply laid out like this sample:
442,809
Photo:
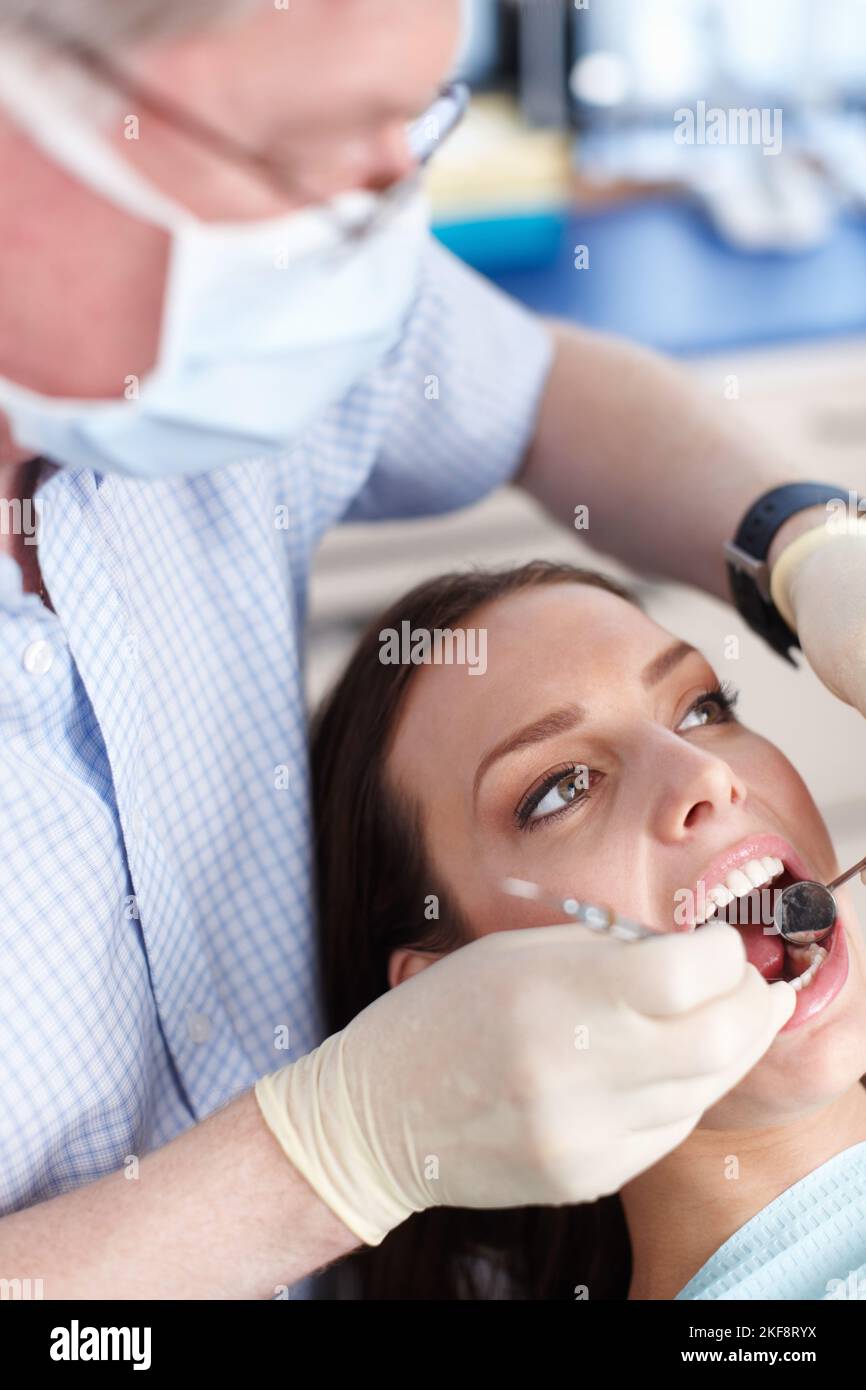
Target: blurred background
749,267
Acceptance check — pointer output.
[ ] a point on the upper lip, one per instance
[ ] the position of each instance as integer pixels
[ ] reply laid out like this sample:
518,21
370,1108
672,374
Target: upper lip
754,846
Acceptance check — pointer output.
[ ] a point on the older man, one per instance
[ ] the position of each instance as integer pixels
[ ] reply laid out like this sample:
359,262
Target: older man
219,305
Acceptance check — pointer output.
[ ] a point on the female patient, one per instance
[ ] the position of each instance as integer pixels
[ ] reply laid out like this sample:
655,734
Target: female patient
599,757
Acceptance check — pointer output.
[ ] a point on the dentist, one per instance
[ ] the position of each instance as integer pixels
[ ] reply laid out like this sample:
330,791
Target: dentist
219,305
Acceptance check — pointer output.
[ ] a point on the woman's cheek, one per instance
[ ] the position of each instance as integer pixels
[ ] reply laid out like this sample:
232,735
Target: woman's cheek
775,782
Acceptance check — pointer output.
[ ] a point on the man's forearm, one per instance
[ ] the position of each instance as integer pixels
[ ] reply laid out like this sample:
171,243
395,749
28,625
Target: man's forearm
665,472
219,1213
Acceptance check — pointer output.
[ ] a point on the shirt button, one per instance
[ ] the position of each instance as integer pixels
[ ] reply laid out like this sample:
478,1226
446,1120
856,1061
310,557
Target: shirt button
37,657
199,1026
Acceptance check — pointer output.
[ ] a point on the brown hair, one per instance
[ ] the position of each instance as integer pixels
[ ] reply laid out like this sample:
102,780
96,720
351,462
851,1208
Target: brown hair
372,876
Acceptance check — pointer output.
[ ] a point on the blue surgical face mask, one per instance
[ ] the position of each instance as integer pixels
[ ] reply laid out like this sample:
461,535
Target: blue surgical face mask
264,325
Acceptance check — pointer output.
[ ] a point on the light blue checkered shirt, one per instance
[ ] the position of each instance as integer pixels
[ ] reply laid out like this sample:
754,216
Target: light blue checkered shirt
156,916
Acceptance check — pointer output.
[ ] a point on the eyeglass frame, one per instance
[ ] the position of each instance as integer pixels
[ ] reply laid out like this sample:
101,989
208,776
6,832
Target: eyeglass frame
446,111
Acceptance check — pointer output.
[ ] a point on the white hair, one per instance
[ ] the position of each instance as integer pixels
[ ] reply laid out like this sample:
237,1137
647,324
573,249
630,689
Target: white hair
112,24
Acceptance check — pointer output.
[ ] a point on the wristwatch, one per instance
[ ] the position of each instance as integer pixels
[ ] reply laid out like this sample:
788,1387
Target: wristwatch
746,557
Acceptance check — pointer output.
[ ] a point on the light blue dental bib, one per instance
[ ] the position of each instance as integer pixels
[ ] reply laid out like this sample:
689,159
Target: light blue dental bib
809,1243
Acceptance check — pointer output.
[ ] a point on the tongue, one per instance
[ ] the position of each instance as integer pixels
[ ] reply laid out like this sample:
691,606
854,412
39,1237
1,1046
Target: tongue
765,952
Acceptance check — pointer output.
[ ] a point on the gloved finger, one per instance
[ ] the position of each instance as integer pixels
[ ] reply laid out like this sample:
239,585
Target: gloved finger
656,1109
634,1153
700,1065
679,971
640,1149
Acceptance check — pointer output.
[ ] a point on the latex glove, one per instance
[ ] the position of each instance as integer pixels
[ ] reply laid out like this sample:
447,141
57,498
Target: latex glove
818,584
469,1084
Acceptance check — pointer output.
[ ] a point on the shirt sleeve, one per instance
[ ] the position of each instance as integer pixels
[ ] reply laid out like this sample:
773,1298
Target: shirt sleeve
464,388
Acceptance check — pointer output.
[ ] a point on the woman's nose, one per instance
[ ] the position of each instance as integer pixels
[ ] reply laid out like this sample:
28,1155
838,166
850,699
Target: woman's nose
697,786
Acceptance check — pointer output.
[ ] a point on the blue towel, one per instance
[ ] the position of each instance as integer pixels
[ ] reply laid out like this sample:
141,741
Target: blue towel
810,1242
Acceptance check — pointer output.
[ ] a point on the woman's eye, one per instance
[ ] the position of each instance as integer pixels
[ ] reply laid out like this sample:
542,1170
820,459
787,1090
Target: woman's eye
712,707
565,786
558,792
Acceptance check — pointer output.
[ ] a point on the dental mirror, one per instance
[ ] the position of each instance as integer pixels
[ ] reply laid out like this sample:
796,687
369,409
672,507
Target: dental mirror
806,911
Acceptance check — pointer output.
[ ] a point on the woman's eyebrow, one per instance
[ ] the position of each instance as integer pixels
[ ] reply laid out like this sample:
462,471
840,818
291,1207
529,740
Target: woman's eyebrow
558,721
660,665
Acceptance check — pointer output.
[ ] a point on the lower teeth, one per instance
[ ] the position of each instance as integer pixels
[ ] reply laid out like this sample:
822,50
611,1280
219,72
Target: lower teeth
817,956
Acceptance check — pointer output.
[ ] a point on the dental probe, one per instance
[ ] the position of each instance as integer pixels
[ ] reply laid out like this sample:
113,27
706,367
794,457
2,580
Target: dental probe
593,915
806,911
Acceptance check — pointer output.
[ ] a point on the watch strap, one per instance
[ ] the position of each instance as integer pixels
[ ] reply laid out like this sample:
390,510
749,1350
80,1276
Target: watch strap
746,557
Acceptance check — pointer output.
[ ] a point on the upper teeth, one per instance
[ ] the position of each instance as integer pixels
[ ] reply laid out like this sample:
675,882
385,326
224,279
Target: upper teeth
753,874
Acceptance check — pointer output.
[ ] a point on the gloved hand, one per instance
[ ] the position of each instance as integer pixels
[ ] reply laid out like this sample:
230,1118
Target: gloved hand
818,584
532,1066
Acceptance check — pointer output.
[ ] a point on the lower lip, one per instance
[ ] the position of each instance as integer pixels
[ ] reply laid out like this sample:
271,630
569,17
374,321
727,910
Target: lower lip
815,997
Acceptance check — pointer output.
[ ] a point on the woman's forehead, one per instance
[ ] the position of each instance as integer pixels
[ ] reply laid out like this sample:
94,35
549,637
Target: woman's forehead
537,642
565,626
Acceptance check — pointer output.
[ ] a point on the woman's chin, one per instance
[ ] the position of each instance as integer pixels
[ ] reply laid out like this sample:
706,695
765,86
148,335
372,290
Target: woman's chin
804,1069
812,1064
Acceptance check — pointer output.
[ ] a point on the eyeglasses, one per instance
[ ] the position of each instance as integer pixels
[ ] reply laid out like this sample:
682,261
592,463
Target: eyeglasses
424,135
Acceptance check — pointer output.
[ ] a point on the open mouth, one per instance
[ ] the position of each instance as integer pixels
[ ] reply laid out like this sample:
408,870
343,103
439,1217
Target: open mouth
746,898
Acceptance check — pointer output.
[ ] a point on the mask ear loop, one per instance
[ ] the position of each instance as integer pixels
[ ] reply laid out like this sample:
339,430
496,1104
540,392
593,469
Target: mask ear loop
103,170
117,179
70,141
